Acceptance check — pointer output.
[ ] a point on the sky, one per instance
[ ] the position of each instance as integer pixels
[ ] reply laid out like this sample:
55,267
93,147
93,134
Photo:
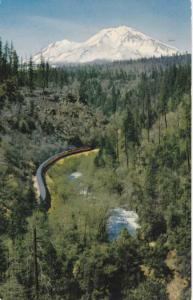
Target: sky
33,24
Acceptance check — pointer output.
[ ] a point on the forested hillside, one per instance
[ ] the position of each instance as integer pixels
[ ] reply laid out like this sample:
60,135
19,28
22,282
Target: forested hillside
138,114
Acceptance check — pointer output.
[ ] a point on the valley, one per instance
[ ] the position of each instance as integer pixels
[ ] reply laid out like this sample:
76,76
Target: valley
137,113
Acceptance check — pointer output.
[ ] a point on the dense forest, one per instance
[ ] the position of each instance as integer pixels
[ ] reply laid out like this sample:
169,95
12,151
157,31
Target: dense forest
138,114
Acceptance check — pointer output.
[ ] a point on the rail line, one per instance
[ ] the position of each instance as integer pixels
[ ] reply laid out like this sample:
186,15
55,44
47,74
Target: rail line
45,198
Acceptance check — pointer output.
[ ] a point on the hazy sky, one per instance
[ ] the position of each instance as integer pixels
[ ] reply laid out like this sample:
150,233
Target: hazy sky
33,24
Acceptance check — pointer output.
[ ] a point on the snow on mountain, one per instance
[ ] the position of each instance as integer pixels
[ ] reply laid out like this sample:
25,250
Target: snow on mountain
118,43
54,50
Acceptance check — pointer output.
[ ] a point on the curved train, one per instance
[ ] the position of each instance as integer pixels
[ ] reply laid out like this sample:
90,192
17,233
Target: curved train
45,199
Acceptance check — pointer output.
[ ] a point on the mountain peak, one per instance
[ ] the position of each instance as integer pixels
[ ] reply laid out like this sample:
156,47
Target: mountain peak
109,44
121,29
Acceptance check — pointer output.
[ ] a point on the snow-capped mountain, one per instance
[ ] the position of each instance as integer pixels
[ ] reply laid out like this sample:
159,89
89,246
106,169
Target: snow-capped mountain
112,44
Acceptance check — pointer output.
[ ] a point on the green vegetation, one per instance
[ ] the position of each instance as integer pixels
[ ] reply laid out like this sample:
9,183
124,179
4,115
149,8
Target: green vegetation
87,200
138,114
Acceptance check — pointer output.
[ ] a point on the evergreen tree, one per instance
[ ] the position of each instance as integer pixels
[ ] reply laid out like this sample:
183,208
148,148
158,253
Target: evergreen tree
15,63
130,129
47,74
42,73
31,75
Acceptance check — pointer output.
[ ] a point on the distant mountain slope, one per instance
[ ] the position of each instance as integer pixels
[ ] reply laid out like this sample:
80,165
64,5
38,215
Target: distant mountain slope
118,43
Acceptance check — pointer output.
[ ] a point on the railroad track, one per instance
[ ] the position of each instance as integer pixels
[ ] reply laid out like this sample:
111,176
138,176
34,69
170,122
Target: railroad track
45,198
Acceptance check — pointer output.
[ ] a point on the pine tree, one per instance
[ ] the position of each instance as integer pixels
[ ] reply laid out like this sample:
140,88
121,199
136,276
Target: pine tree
47,73
114,99
42,73
1,50
130,129
15,63
147,101
31,75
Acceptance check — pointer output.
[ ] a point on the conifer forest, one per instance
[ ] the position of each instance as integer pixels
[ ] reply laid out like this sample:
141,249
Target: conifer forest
135,115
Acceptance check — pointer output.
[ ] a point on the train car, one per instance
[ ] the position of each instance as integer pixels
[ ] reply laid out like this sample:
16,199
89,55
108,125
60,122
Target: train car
40,174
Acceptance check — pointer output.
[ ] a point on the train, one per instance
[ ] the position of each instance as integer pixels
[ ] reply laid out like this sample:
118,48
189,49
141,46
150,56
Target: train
45,199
